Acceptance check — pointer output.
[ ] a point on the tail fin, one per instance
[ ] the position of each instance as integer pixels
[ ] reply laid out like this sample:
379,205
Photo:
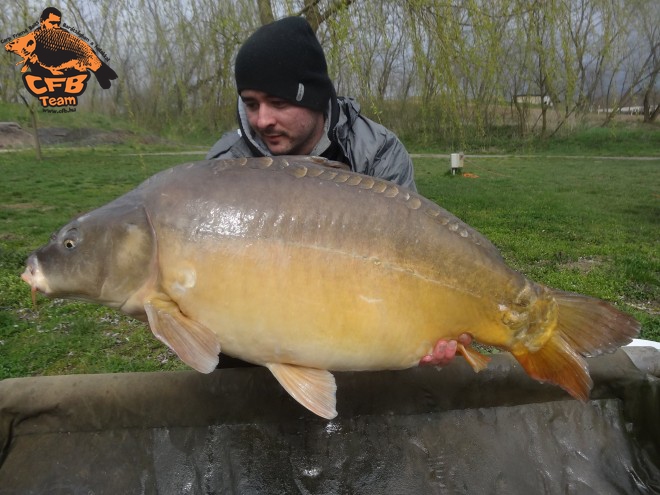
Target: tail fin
585,327
591,326
104,75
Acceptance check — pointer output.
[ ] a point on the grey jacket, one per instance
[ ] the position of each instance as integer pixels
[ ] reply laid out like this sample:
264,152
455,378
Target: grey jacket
368,147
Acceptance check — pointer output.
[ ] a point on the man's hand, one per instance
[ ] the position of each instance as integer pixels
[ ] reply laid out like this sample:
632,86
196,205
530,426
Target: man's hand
444,351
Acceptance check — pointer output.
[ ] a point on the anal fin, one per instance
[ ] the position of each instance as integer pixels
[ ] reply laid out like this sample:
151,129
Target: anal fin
196,345
556,362
477,360
313,388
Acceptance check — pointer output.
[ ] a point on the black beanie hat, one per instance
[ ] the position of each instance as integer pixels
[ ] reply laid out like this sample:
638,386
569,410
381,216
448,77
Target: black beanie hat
285,59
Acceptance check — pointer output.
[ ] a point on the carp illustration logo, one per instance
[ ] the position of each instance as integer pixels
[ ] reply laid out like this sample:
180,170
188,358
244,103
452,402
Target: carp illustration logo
59,61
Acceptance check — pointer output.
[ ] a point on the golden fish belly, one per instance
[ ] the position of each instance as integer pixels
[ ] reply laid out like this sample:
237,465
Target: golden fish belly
270,301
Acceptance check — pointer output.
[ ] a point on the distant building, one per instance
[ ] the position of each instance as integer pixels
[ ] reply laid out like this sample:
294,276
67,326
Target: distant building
635,110
532,100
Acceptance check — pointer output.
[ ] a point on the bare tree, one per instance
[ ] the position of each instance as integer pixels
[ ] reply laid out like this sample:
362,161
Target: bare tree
433,68
649,33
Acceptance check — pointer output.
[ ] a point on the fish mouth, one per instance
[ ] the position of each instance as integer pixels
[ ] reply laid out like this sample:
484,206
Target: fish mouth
34,277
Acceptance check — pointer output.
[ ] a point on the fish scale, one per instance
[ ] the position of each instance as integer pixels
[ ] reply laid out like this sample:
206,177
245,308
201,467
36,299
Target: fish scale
64,46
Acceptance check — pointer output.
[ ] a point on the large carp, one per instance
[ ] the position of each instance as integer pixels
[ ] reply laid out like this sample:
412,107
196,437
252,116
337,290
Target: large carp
301,267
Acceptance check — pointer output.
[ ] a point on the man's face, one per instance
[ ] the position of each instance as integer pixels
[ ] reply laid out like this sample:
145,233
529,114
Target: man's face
53,21
285,128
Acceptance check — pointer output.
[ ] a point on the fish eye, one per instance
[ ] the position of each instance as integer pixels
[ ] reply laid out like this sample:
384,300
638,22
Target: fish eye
69,238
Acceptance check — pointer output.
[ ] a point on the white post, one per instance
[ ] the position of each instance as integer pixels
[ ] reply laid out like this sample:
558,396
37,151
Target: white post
456,162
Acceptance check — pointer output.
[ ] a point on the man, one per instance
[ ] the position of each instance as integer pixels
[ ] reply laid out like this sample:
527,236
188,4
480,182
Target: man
287,105
51,18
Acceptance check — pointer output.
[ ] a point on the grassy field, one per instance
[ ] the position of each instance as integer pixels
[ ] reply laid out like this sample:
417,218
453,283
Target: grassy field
588,225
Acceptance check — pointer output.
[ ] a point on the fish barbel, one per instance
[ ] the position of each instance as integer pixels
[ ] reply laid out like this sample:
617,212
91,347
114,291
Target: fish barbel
303,267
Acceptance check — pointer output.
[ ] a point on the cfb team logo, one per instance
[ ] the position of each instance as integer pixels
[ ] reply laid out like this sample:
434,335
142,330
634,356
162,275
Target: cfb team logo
58,61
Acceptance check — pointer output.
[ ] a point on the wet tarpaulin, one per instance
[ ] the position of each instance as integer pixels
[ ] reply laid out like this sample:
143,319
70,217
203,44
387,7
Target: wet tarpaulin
417,431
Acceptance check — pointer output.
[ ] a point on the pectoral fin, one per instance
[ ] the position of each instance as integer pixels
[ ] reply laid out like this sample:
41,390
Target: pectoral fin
313,388
196,345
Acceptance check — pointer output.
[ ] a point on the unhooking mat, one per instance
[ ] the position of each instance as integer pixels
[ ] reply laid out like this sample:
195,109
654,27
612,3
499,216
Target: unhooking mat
419,431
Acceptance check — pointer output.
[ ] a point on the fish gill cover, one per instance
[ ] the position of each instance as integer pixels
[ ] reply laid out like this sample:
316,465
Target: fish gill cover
59,58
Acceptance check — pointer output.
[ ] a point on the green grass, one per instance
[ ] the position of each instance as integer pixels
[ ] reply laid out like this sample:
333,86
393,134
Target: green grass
85,122
577,224
36,198
615,140
624,139
586,225
80,119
